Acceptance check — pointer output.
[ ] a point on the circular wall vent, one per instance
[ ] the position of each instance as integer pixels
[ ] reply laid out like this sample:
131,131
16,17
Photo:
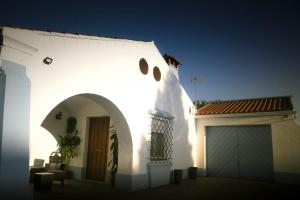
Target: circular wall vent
156,73
143,66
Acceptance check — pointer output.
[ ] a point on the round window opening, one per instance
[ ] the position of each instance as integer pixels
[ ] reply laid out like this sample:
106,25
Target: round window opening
143,66
156,73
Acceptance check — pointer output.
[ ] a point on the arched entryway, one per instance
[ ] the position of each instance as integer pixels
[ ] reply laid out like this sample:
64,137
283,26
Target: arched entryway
96,116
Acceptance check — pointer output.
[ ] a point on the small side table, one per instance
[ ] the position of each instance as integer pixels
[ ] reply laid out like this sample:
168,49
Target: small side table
43,181
34,170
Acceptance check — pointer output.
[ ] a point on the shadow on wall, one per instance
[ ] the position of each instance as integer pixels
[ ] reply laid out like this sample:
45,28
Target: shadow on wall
15,132
170,99
2,94
56,126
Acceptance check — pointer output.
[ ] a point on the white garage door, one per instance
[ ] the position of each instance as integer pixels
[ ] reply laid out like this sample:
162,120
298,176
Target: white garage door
240,151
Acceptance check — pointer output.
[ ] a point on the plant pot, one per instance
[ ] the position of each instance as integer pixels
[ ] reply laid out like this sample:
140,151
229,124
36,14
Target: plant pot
193,172
177,176
68,174
113,180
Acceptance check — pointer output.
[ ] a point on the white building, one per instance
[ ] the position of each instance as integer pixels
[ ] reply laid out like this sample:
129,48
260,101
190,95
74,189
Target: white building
127,82
47,77
250,138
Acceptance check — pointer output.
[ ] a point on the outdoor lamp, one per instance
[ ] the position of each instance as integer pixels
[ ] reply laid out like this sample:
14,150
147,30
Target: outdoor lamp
47,61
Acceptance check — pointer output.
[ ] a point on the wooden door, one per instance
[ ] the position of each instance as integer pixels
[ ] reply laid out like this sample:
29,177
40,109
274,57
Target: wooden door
97,149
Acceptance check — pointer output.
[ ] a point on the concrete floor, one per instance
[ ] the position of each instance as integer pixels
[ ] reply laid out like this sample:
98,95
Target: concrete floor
201,188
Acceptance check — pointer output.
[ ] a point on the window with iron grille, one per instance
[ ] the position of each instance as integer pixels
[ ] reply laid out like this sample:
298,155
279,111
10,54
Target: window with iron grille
161,138
157,146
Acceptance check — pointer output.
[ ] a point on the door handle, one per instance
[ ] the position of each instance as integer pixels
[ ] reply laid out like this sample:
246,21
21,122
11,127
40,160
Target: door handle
99,150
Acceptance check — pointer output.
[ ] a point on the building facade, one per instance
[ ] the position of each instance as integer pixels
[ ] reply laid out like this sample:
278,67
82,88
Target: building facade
109,84
250,138
93,78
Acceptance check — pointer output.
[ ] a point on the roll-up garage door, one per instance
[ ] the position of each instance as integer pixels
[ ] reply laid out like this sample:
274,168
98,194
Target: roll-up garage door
240,151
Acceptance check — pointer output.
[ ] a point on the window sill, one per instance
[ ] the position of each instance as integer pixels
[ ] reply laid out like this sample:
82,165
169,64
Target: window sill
155,163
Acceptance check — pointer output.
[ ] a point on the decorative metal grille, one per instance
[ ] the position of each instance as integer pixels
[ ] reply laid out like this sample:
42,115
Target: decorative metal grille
161,142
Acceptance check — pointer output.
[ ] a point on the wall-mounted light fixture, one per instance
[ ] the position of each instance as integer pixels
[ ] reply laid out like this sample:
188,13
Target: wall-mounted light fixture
58,116
47,61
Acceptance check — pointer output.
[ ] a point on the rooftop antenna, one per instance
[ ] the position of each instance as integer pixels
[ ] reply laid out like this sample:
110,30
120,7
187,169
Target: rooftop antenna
195,80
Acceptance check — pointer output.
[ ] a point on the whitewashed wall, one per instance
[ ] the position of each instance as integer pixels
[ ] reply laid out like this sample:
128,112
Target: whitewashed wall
108,68
15,133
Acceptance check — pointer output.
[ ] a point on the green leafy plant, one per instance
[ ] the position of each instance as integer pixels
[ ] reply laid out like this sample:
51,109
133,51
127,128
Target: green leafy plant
67,144
71,125
113,163
199,103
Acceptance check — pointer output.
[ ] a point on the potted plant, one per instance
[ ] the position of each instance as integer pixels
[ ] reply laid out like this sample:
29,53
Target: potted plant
193,172
177,176
113,163
67,143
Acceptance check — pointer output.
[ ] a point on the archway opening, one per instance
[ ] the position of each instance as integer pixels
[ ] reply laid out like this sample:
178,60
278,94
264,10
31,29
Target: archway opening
93,113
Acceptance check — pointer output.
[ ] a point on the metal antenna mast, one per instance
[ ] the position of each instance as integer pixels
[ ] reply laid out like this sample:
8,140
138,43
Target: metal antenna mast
195,80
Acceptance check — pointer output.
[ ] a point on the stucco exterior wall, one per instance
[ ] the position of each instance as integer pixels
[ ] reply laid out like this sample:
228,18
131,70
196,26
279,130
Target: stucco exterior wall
108,68
15,133
285,142
286,137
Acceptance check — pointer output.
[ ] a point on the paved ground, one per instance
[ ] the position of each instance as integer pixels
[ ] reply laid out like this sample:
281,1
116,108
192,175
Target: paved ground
201,188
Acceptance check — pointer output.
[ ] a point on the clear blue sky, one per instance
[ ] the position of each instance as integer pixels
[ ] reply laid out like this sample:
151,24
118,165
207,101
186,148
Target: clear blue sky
242,49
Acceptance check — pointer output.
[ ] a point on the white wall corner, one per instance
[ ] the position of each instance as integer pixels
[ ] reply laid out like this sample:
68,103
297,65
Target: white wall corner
18,45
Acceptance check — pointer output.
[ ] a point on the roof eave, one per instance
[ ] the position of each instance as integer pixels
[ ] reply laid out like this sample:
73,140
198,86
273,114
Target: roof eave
288,114
71,33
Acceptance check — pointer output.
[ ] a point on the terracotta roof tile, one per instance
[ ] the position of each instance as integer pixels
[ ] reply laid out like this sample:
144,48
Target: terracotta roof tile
269,104
236,107
260,106
229,107
264,104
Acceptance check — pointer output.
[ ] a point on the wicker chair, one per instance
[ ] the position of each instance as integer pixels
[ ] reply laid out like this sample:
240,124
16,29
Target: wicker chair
38,166
56,167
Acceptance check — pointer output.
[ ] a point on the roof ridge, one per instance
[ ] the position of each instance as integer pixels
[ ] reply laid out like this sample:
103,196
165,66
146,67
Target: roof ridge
72,33
248,99
262,104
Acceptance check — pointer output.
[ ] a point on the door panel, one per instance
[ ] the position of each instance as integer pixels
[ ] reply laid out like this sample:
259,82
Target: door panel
255,152
221,152
97,149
